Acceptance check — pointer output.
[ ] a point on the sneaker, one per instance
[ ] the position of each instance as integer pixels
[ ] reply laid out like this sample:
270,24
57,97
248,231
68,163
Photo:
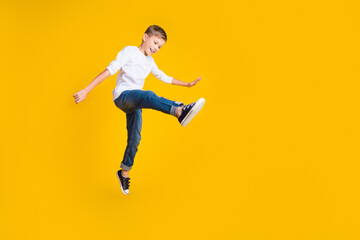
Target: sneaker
124,182
189,111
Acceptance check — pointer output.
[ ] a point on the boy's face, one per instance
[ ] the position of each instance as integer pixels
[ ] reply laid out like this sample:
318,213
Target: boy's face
152,44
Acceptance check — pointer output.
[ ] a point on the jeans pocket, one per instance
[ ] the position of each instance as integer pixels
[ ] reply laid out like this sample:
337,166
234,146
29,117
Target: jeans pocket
118,103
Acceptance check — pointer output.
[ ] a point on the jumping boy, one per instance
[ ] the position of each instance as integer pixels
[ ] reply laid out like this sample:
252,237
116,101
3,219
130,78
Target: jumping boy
135,64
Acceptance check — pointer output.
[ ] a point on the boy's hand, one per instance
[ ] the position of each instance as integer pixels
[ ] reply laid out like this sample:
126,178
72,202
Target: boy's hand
191,84
80,95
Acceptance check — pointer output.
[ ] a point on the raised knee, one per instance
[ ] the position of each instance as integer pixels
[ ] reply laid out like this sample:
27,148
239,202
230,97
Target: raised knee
150,94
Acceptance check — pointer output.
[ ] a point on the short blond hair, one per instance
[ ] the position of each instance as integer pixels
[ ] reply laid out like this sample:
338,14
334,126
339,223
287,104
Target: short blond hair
155,30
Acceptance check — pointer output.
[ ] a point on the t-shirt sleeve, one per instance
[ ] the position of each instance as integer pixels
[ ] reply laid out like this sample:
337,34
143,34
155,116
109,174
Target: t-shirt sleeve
121,59
160,74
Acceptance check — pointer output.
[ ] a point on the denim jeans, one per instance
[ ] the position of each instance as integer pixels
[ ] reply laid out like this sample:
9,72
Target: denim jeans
132,102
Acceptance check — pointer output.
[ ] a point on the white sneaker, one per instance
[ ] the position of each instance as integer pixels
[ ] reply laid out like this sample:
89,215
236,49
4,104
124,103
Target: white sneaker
189,111
124,182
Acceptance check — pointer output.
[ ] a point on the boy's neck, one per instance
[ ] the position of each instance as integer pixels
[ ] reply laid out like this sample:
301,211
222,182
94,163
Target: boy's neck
142,51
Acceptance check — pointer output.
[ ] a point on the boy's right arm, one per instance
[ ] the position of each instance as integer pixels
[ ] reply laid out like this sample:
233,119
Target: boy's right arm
81,95
121,59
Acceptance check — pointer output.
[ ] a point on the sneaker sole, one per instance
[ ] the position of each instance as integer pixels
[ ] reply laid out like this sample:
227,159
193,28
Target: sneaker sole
197,107
121,184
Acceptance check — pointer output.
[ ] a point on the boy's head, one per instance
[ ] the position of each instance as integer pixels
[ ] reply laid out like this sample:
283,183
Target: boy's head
153,39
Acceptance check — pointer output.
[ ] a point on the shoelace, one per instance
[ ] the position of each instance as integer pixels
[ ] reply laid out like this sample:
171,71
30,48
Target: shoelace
126,183
188,106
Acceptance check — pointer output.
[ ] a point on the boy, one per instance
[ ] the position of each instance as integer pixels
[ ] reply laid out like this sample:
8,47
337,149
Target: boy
135,64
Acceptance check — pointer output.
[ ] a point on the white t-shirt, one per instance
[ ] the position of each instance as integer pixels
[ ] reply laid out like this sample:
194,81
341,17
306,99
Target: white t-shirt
135,67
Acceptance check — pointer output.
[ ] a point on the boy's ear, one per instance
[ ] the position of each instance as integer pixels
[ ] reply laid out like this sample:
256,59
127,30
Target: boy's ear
145,36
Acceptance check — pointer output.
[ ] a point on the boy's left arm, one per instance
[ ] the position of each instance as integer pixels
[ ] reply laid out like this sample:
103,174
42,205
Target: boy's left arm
185,84
165,78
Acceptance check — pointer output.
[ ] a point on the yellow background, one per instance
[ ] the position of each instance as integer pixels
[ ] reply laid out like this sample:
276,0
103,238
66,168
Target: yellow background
273,154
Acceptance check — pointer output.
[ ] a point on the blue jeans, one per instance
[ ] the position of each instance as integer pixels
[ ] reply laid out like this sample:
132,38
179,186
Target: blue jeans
131,102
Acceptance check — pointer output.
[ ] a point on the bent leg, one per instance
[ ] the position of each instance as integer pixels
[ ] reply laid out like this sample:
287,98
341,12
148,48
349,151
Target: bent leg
134,125
132,100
